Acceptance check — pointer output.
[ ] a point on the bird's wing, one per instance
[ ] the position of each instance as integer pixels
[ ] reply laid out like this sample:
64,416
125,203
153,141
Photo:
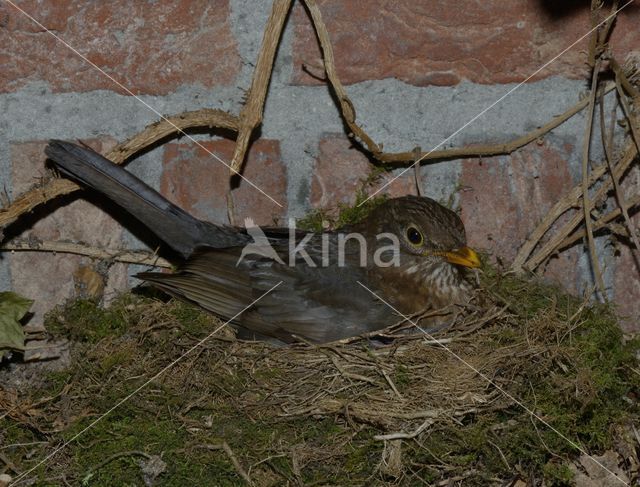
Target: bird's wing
319,304
210,279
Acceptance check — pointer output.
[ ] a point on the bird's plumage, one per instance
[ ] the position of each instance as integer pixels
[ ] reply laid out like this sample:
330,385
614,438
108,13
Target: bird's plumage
318,296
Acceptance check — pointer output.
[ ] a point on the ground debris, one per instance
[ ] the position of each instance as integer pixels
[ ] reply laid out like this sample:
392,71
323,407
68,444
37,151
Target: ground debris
151,469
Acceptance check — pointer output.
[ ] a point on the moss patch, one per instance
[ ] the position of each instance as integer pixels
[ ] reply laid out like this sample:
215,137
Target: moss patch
319,220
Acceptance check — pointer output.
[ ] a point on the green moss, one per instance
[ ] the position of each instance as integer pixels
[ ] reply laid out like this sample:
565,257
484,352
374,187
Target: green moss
351,214
526,296
193,320
315,221
558,474
86,321
321,220
118,358
361,455
401,377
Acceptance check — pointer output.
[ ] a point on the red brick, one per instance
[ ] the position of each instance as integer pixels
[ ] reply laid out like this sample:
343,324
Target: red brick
504,198
626,281
626,288
148,47
199,183
442,43
49,278
340,171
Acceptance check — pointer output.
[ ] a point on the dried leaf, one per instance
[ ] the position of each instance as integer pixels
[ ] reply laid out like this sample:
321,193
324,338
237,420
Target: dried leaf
589,470
13,307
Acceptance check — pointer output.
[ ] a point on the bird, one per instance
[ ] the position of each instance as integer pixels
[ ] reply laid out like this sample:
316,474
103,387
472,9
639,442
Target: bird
409,254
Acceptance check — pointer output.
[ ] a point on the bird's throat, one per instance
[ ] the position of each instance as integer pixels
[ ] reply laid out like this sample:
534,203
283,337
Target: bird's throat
422,285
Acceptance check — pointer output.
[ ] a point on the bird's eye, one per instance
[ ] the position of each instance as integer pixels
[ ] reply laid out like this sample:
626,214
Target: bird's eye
414,236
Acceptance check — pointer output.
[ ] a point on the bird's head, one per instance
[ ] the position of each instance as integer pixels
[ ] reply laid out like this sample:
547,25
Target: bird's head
425,229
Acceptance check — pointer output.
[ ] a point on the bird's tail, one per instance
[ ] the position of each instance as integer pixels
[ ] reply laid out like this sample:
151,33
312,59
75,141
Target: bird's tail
179,230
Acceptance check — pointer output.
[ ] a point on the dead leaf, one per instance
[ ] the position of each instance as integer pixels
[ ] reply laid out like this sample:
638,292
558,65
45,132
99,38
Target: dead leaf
591,473
13,307
88,283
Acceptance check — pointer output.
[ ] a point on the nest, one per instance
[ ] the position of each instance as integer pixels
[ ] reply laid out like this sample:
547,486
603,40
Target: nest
516,388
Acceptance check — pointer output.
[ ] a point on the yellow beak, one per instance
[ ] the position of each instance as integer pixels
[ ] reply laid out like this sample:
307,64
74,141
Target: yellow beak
464,256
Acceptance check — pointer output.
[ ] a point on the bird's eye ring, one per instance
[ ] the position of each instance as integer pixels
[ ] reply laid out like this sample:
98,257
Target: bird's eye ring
414,236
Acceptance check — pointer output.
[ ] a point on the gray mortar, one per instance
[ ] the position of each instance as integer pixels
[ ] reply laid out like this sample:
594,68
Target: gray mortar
399,115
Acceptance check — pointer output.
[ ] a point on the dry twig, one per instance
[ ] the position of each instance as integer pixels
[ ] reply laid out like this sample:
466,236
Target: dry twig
586,203
153,133
408,157
601,222
607,144
127,256
524,259
406,436
251,114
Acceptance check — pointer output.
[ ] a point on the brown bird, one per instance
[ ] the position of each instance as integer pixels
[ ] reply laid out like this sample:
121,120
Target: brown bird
410,251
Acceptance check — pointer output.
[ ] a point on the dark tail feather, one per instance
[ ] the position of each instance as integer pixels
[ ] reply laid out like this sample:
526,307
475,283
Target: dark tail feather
179,230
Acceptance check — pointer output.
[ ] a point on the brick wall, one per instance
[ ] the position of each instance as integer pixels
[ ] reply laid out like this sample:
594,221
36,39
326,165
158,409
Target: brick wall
416,72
